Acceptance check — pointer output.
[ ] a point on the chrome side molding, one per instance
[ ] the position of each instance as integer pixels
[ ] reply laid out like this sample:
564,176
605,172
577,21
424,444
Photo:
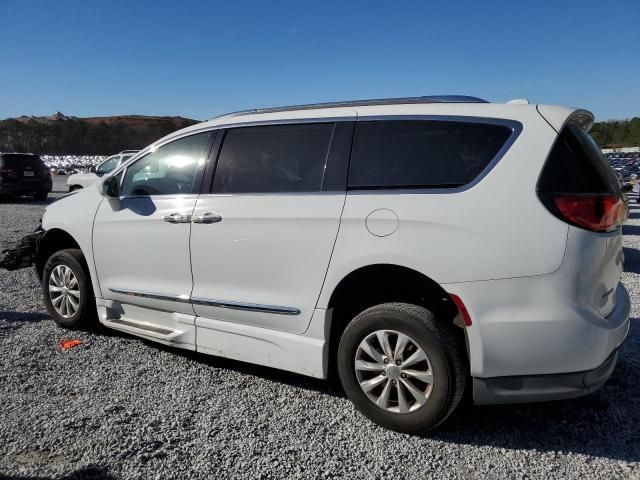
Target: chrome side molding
209,302
252,307
154,296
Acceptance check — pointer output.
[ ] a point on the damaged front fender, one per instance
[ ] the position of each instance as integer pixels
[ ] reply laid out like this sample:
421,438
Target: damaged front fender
21,254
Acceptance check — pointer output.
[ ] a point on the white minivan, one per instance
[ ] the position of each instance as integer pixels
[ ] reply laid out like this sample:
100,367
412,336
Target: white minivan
420,247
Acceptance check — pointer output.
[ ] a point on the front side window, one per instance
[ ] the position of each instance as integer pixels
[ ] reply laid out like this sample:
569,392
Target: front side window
107,166
168,170
273,159
422,153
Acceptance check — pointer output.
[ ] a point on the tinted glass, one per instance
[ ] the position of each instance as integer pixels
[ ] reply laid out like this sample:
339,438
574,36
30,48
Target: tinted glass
576,165
16,160
108,165
273,159
169,170
422,153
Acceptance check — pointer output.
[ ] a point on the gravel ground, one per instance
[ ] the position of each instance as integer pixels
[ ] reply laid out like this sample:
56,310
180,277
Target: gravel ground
118,407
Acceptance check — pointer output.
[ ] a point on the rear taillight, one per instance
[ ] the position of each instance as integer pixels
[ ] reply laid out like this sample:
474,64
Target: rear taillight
8,172
595,212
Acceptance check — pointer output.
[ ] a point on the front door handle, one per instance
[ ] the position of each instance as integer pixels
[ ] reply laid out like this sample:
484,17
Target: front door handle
177,218
209,217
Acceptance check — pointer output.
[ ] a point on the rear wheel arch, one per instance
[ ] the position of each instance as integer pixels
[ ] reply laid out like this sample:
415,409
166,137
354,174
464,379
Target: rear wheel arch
383,283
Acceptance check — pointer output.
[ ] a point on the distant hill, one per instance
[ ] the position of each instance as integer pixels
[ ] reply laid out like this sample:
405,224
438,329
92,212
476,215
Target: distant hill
59,134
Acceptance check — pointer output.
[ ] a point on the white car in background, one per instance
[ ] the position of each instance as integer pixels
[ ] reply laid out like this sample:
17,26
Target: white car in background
83,180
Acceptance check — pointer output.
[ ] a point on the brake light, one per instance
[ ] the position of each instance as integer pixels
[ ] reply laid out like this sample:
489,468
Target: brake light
598,213
5,169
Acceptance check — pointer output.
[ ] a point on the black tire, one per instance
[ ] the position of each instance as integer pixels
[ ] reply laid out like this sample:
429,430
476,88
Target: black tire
85,315
41,196
436,339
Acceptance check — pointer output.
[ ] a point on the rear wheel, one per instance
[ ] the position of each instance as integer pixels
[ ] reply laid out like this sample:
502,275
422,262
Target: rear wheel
401,367
67,289
41,196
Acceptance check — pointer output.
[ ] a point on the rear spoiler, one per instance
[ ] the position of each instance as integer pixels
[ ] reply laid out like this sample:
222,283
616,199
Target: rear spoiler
558,117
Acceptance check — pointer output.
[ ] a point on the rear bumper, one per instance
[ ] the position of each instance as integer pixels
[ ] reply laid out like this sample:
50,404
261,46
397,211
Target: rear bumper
606,337
541,388
25,188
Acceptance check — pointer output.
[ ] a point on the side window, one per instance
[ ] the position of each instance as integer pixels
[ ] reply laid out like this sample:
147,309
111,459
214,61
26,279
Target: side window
107,166
422,153
273,159
169,170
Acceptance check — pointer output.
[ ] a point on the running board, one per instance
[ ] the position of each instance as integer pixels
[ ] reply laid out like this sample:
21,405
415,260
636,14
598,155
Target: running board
172,328
142,328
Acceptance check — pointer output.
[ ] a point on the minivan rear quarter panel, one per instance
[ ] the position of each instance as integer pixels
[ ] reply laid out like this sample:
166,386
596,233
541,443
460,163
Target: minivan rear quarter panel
496,228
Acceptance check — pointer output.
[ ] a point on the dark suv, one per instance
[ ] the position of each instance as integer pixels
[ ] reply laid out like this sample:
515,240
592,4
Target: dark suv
24,174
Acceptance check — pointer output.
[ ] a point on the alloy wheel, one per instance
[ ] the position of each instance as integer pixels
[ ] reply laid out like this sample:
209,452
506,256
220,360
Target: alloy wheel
64,291
393,371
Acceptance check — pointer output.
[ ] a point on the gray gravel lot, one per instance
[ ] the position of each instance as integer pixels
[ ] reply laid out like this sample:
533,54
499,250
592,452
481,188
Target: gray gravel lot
118,407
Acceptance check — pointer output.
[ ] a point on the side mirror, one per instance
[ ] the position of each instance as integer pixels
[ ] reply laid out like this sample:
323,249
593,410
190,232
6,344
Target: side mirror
92,169
110,188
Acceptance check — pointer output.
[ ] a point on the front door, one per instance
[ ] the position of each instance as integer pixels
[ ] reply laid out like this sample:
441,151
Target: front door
141,240
261,241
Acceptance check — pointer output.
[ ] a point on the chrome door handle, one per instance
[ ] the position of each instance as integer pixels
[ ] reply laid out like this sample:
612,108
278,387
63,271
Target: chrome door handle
177,218
208,217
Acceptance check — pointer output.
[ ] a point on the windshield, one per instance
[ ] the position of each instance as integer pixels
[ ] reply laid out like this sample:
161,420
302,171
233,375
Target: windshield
107,166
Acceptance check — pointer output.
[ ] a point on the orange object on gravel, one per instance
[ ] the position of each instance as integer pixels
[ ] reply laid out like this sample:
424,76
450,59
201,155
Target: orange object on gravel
68,344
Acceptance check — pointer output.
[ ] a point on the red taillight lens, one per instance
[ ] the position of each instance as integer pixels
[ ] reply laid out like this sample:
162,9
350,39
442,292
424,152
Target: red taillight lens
598,213
466,318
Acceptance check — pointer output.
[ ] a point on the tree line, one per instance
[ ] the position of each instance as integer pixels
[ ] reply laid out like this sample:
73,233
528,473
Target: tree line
76,136
617,133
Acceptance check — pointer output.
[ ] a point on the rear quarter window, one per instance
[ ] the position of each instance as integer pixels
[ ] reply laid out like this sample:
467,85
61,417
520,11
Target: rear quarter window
576,165
423,153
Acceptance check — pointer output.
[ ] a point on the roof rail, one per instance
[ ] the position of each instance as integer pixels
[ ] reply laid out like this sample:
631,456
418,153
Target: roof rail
361,103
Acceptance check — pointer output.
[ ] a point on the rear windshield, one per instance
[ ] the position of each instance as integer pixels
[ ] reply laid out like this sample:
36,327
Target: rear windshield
17,160
576,165
422,153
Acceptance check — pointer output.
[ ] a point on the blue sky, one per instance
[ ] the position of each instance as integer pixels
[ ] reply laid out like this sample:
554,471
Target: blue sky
199,59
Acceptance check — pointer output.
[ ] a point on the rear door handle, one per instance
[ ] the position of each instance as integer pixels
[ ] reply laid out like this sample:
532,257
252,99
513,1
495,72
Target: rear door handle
208,217
177,218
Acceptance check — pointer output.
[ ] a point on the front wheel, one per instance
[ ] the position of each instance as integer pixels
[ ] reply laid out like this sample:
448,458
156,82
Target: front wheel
67,289
401,367
41,196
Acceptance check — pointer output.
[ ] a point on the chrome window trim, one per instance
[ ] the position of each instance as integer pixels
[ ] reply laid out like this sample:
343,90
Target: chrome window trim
291,121
516,129
209,302
253,307
154,296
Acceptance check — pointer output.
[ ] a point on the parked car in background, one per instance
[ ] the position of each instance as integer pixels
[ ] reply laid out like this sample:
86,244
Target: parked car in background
83,180
24,174
419,246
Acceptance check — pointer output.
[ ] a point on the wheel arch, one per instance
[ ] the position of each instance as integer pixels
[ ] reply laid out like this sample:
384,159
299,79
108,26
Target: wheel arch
374,284
52,241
